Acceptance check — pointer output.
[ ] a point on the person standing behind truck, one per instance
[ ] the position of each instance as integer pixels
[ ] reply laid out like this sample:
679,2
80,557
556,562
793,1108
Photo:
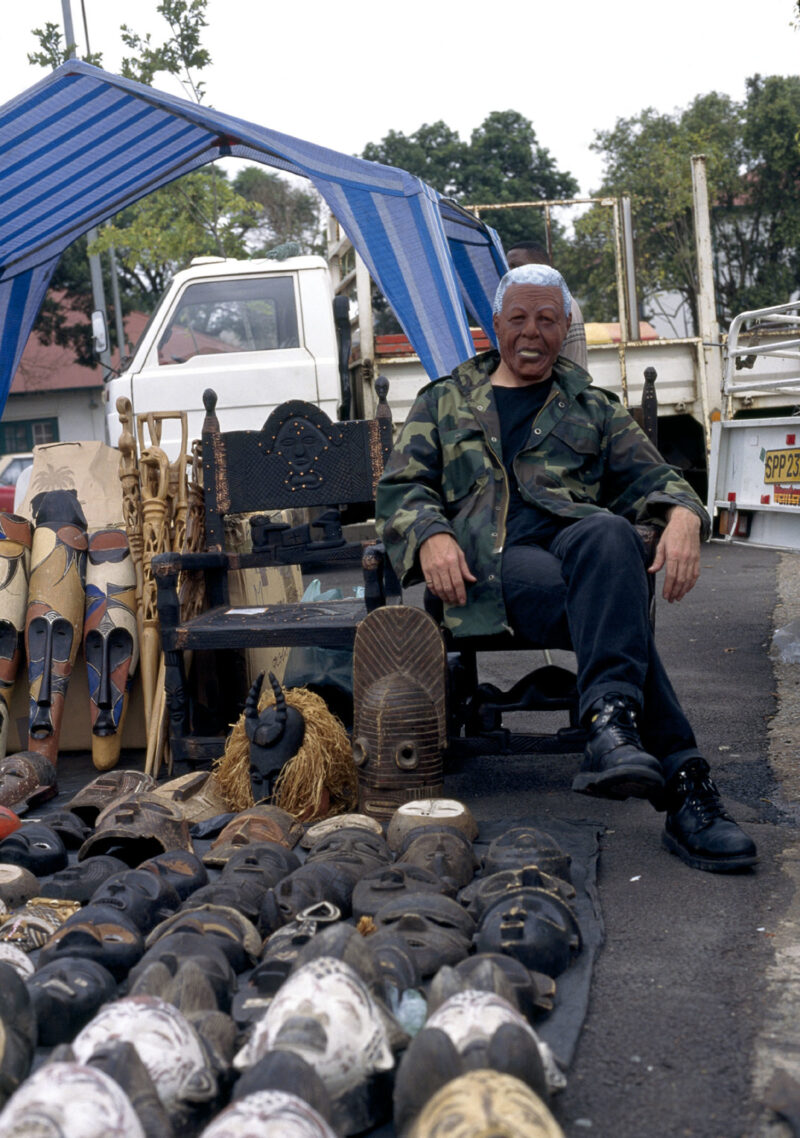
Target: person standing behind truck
532,253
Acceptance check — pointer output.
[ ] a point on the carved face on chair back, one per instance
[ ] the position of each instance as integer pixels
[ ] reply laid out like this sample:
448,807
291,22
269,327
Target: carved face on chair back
301,438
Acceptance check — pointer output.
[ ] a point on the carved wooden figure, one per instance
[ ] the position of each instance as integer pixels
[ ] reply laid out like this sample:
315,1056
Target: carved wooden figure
110,639
54,618
15,565
154,469
399,729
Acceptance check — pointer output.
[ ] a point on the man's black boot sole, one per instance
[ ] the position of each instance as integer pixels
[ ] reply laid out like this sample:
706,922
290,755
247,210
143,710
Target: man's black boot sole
625,781
731,864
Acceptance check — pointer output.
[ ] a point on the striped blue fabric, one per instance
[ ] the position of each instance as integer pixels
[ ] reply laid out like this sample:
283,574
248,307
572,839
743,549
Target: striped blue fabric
84,144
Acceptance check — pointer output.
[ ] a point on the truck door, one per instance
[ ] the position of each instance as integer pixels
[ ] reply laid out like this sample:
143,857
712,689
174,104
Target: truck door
242,336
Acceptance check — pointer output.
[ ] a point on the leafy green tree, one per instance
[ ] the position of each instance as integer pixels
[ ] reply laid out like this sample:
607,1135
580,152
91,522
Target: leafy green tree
181,54
753,168
53,50
502,162
434,153
197,215
285,212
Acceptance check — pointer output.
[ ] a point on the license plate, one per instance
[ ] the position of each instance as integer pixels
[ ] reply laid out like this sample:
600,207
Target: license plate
782,466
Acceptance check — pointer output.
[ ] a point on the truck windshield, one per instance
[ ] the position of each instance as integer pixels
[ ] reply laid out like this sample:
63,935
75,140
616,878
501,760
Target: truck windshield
250,315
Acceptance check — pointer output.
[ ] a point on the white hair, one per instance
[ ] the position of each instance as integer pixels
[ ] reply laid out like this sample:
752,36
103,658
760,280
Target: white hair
542,275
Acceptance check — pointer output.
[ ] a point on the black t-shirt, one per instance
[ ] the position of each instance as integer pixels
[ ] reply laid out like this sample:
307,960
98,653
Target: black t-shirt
517,407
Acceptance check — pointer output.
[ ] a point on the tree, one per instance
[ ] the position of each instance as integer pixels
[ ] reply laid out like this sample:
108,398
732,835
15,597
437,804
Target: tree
502,162
181,54
753,168
286,212
199,214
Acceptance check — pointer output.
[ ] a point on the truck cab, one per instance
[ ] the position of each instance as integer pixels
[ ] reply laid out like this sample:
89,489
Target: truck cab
258,332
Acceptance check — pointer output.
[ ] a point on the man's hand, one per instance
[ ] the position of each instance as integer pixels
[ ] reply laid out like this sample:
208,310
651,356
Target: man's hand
679,551
445,568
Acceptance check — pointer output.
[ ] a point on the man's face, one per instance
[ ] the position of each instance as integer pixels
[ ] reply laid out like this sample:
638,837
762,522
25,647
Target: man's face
531,327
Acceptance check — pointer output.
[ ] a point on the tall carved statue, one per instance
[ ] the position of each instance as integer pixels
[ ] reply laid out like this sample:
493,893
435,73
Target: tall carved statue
54,618
15,566
110,639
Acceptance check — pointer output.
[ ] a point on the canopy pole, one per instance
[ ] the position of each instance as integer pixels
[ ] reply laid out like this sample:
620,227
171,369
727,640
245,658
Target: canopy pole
95,266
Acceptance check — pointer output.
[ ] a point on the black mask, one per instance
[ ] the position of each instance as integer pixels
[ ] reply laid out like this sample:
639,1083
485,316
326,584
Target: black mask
35,847
355,846
177,947
79,882
393,881
525,845
269,861
141,897
111,942
65,994
436,929
536,927
18,1035
183,870
447,853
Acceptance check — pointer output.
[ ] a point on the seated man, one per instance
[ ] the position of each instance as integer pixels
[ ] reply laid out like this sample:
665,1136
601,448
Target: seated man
511,493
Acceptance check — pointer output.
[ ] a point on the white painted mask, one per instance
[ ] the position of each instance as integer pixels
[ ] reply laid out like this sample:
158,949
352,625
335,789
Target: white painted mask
473,1016
324,1013
166,1042
66,1100
269,1114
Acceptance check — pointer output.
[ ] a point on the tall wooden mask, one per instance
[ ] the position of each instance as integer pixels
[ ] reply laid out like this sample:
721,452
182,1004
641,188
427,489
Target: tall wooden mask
15,566
110,639
54,618
399,725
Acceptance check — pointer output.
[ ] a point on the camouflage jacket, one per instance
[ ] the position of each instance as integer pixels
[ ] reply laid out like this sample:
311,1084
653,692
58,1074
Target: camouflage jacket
585,453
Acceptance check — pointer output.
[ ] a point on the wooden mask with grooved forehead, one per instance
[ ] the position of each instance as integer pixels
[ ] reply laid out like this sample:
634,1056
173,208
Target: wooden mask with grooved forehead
399,729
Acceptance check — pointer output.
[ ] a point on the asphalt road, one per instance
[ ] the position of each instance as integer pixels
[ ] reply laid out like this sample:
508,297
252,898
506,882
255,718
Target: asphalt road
687,983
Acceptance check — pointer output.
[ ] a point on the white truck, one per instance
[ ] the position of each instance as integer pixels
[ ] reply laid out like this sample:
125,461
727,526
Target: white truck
262,331
754,468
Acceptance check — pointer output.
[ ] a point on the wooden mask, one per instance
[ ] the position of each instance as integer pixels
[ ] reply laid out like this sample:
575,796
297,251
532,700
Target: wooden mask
16,535
110,639
399,726
54,618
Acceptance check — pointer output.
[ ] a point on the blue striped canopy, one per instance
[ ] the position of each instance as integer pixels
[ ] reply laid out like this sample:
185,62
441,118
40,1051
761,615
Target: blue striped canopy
83,144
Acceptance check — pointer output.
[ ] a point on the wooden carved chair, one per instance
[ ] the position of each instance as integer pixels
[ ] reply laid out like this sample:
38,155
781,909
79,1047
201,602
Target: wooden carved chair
299,459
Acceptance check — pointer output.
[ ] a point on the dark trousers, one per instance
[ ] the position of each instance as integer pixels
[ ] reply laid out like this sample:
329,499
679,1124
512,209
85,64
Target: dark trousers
589,592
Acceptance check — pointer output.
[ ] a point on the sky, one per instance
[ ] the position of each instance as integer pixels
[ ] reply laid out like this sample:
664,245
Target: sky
342,75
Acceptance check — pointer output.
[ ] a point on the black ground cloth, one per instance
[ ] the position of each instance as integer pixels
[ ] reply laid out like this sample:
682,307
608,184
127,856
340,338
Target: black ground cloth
579,839
561,1029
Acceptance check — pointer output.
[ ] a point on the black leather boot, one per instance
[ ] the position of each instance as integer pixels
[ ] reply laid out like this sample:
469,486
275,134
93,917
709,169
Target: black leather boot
698,829
615,764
